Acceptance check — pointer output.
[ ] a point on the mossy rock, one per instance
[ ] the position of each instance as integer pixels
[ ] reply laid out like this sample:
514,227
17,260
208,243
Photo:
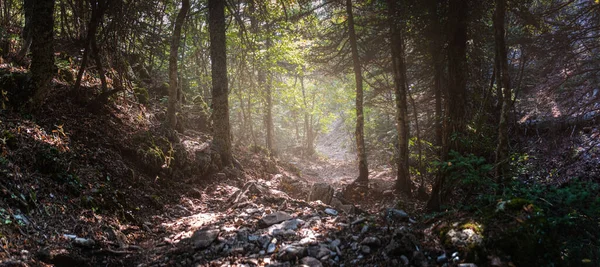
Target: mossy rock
467,237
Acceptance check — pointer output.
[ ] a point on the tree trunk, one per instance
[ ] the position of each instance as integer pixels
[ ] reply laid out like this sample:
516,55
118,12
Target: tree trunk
220,91
309,140
363,169
454,121
42,48
173,105
504,83
269,99
98,10
403,183
27,36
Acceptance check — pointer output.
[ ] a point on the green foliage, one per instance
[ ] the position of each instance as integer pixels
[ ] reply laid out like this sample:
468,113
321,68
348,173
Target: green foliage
558,224
468,172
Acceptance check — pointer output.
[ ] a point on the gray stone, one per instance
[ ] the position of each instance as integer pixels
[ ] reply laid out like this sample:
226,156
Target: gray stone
365,249
310,262
442,258
321,191
331,212
318,251
404,260
203,238
396,215
335,243
289,253
273,218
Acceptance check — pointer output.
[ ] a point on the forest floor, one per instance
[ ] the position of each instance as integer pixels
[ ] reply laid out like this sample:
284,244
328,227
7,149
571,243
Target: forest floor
84,185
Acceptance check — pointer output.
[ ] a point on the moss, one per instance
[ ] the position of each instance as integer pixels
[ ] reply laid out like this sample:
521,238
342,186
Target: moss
517,203
476,227
141,94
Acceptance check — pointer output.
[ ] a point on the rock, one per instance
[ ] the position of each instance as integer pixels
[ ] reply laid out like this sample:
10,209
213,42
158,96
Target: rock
396,215
331,212
404,260
442,258
335,243
402,243
310,262
252,238
364,229
365,249
273,218
371,241
464,238
359,220
467,265
321,191
264,241
318,251
291,253
203,238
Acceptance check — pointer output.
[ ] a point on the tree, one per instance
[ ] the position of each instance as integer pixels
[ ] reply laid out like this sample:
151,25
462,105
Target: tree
173,105
98,10
220,91
42,47
363,169
403,182
455,106
504,83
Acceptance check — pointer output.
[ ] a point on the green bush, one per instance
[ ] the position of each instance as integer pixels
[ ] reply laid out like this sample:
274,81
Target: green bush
468,172
559,225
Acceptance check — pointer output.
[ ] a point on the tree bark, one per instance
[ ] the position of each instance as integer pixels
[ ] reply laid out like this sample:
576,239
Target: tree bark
173,105
403,183
27,36
504,83
42,48
455,106
363,169
269,99
220,90
98,10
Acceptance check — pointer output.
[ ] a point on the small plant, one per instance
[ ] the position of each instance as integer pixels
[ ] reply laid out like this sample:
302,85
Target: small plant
469,172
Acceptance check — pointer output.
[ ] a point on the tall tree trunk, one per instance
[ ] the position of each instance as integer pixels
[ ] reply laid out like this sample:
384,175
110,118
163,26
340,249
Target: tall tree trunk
26,35
454,121
98,10
504,83
435,51
308,143
220,91
42,48
363,169
403,183
173,105
269,99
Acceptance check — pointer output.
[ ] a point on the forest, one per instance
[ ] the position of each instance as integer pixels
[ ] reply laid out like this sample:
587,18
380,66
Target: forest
300,133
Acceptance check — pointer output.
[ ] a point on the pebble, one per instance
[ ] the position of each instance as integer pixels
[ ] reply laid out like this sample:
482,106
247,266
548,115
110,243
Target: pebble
331,212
